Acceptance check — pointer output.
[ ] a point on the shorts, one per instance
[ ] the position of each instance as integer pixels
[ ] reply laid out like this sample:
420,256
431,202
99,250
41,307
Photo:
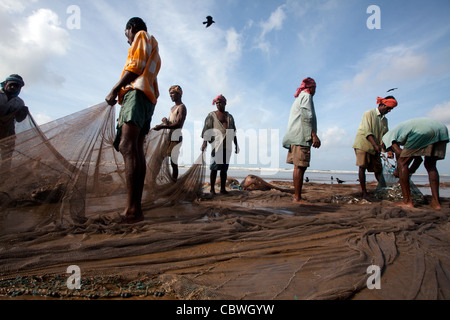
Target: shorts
436,150
368,161
173,151
299,156
136,109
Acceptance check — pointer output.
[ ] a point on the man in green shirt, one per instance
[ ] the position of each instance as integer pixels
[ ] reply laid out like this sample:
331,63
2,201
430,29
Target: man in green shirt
368,140
420,137
301,134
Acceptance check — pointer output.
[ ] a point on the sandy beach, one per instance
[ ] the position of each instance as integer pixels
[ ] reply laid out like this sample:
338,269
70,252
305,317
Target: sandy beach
245,245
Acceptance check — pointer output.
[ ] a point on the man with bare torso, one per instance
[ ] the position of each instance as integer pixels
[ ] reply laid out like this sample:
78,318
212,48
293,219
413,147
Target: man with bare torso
175,123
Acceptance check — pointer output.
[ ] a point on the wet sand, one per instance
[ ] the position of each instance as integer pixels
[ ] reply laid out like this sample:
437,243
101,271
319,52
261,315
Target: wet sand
243,245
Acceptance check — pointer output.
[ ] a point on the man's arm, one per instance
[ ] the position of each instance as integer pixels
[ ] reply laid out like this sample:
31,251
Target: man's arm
177,124
375,145
127,78
316,141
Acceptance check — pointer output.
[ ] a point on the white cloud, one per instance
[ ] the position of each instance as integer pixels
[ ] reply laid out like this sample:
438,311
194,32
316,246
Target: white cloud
334,137
441,112
41,118
397,64
28,49
275,22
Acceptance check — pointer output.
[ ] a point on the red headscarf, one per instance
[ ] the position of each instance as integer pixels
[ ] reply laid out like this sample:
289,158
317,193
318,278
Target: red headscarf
221,98
392,103
306,84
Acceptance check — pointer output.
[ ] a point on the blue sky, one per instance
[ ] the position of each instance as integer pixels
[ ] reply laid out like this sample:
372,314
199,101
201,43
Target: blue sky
256,55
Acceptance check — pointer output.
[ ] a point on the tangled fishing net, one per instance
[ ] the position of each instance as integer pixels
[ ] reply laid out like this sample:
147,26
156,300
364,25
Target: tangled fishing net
389,186
55,175
63,186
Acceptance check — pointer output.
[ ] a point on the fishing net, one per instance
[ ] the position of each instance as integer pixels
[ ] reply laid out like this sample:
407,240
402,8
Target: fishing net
60,174
63,187
389,188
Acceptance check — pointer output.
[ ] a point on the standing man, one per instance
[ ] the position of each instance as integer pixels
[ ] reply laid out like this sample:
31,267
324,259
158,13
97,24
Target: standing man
175,123
220,131
368,140
301,134
420,137
137,92
12,108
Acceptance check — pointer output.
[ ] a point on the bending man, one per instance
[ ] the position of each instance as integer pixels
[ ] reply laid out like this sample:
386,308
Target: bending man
420,137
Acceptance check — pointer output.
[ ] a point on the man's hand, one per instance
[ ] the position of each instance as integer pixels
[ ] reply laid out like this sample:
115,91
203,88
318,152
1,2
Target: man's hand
204,145
111,98
316,142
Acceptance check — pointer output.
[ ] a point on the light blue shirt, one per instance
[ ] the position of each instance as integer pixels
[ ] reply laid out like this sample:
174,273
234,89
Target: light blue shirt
302,122
416,133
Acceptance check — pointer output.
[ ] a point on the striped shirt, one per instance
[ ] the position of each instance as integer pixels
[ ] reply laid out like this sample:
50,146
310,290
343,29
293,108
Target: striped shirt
143,60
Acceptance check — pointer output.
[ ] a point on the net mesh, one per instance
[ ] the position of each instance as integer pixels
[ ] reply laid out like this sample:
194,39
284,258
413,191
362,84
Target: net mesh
389,188
63,186
57,173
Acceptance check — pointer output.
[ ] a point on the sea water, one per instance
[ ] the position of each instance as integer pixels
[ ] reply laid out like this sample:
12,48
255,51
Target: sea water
324,176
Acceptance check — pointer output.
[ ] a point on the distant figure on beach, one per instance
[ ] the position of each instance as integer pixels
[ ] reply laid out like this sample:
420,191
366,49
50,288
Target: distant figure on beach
12,109
368,141
175,123
137,93
420,137
301,134
220,131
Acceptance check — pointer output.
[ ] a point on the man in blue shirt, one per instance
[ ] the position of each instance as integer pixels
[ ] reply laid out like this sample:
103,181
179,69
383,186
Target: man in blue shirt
420,137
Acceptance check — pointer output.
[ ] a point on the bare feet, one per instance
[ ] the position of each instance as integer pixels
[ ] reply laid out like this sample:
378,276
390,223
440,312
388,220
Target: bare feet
405,205
224,192
301,201
131,219
435,205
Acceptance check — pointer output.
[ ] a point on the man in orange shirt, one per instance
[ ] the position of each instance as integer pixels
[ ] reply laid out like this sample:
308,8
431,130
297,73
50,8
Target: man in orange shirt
137,93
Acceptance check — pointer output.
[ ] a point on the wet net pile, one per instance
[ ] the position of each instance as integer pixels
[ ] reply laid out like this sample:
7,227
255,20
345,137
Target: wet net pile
389,186
55,176
63,187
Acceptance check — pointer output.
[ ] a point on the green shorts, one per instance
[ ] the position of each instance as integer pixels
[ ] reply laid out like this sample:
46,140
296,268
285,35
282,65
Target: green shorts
136,109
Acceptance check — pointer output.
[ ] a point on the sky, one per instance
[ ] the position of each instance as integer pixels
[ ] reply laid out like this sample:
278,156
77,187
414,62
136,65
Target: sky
71,53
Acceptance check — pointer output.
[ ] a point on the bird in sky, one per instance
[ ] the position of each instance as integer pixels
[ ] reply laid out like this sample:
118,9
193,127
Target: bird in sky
209,21
392,89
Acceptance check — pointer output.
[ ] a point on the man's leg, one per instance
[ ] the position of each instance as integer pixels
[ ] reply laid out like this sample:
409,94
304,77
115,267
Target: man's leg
433,176
403,174
299,173
223,181
131,148
362,181
212,180
174,170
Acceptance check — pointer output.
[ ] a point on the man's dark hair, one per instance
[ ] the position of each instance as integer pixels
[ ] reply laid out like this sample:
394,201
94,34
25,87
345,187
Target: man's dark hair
391,97
137,23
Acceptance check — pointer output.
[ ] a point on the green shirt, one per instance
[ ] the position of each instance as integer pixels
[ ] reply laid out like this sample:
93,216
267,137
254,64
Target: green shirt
302,122
417,133
372,123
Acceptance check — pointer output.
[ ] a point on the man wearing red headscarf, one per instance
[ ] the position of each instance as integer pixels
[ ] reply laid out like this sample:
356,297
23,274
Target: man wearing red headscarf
301,134
368,141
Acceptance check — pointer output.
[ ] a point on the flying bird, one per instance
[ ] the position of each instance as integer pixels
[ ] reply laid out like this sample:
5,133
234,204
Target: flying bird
392,89
209,21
